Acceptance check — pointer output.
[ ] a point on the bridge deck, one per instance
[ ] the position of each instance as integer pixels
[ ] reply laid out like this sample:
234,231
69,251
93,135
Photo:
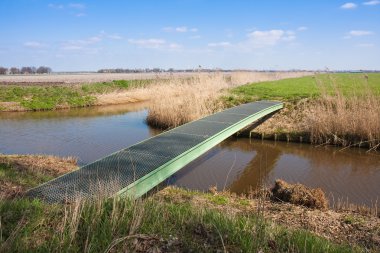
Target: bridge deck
137,169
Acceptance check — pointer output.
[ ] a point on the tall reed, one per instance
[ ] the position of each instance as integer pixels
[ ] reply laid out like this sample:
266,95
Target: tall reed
179,100
345,117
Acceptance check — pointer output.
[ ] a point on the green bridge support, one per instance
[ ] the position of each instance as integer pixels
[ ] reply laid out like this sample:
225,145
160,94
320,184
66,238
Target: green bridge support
137,169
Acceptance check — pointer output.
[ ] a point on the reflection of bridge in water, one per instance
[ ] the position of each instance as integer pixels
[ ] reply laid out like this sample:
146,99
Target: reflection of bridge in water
240,165
137,169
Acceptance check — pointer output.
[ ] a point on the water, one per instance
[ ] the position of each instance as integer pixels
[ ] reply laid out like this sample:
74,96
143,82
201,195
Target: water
236,164
241,165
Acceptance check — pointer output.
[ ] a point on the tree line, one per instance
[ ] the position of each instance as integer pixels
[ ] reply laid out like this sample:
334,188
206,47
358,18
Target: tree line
159,70
25,70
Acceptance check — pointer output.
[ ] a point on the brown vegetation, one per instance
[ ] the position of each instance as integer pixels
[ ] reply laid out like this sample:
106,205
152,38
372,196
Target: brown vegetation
81,78
299,194
184,100
345,120
339,117
30,169
341,226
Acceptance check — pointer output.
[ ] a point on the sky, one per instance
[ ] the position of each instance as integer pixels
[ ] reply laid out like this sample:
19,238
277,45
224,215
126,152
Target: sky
185,34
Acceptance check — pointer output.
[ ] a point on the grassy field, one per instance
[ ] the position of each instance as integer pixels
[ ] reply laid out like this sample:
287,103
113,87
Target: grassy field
54,97
294,89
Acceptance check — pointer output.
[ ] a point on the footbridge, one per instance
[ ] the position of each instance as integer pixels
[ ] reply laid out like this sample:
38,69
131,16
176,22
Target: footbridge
137,169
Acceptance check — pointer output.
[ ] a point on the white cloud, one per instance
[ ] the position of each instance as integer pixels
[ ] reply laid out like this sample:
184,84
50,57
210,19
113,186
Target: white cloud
180,29
77,6
374,2
86,45
148,43
366,45
34,44
56,6
360,33
348,6
114,37
302,28
265,38
194,37
174,46
220,44
70,47
153,43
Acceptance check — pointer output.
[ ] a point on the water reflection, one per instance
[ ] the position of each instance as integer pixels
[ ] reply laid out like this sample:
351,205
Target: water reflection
240,165
83,112
86,133
235,164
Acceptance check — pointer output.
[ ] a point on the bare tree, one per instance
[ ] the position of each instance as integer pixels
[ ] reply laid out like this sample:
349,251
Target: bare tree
27,70
43,70
3,71
14,70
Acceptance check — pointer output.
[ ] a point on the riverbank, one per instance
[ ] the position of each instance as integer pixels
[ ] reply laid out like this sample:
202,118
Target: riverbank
319,109
49,92
172,220
323,109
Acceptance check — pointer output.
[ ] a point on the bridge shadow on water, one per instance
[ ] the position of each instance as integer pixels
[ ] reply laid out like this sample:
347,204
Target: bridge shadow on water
241,164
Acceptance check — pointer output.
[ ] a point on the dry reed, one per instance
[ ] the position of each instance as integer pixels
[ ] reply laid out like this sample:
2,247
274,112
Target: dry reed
180,100
347,119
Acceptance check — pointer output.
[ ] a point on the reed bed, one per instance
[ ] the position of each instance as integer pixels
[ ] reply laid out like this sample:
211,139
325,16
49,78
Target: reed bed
180,100
347,117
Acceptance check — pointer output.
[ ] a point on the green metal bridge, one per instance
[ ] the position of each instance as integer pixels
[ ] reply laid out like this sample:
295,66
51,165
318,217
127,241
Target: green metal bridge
139,168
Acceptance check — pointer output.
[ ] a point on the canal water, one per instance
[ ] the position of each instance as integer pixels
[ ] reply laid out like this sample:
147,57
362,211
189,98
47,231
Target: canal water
237,164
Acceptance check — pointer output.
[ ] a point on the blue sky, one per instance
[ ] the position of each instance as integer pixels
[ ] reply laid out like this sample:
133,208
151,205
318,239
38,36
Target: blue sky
271,34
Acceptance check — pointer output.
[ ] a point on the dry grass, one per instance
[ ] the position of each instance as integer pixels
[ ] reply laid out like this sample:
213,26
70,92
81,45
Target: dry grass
345,119
19,172
300,195
80,78
347,113
48,164
181,100
341,226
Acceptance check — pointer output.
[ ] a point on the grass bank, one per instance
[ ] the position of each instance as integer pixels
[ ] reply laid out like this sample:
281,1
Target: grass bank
176,220
342,109
295,89
49,96
44,97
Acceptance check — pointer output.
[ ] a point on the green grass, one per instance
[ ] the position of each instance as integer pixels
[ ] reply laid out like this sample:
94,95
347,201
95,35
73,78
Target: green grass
22,177
42,228
52,97
294,89
33,226
44,98
218,199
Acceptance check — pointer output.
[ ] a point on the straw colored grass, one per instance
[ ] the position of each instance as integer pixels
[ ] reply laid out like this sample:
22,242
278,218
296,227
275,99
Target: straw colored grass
20,172
345,119
299,194
180,100
338,109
